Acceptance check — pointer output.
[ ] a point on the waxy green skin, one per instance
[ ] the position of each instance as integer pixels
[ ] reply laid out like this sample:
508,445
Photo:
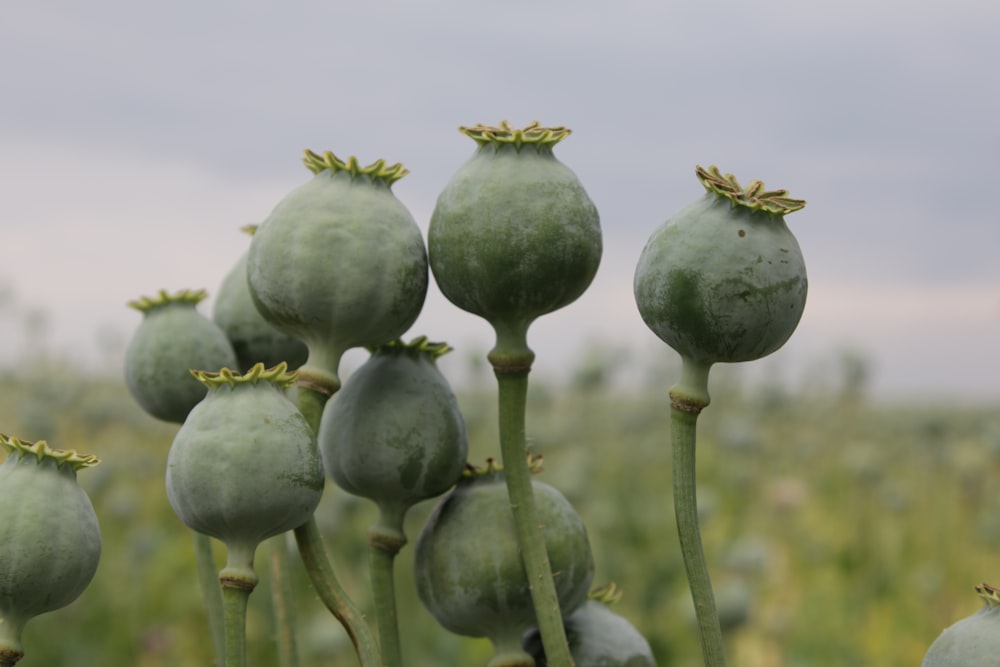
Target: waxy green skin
721,283
340,263
244,467
973,641
172,339
468,566
598,637
253,338
514,235
50,542
394,433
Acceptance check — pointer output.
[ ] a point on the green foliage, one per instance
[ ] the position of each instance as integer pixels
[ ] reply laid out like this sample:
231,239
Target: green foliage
837,531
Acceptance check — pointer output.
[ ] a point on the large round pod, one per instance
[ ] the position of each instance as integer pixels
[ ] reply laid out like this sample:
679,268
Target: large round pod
723,280
514,235
50,542
339,263
469,572
244,466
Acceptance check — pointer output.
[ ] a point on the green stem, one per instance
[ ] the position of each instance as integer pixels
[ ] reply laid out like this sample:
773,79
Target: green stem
234,605
282,602
211,594
328,588
311,399
385,539
687,398
513,393
311,402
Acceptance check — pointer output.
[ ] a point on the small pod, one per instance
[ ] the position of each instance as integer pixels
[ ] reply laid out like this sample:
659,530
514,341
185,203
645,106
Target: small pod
339,263
172,339
973,641
50,542
394,433
514,235
468,567
724,279
598,637
244,466
254,339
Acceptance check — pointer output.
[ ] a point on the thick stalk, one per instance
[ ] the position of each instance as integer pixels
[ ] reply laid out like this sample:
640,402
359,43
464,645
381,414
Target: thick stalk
333,595
384,598
234,605
385,539
211,594
512,380
687,398
282,602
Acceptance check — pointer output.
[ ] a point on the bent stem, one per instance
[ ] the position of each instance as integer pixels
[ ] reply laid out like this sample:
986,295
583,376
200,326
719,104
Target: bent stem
211,594
511,360
328,588
385,539
311,400
687,398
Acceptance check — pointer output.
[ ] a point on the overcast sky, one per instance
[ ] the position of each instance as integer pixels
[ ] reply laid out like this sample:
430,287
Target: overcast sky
137,137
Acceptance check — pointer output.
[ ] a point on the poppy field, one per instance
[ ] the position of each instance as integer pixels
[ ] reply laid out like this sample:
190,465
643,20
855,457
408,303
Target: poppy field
839,530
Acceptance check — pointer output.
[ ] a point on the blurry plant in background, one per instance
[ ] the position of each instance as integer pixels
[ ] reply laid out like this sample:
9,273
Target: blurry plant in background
829,542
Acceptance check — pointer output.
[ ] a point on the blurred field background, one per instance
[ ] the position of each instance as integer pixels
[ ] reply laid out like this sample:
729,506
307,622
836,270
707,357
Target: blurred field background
840,530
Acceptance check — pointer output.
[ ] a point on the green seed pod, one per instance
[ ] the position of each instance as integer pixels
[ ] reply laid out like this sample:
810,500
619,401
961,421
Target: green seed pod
468,567
513,235
597,636
724,280
50,542
244,466
394,433
172,339
253,338
340,262
973,641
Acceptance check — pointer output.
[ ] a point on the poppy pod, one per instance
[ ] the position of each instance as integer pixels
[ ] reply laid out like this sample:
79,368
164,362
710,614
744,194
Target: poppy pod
339,263
244,466
723,280
173,338
50,543
514,235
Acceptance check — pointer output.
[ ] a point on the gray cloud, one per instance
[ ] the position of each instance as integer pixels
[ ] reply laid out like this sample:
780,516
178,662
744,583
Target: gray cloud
881,115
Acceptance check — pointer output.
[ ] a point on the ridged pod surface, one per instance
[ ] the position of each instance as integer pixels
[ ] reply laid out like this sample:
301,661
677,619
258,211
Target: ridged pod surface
724,280
394,433
514,235
468,567
340,262
244,466
50,542
974,641
172,339
254,339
